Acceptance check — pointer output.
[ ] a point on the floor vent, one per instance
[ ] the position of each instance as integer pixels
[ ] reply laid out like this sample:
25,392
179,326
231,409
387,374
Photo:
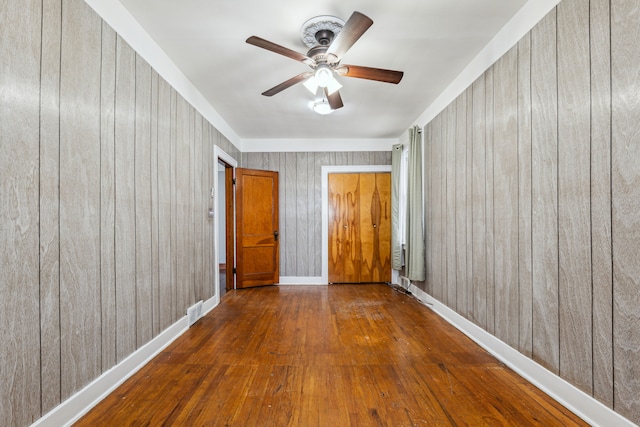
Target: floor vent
194,313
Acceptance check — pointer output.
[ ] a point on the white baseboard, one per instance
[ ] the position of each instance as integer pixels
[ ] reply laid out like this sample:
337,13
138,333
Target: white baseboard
72,409
210,304
574,399
290,280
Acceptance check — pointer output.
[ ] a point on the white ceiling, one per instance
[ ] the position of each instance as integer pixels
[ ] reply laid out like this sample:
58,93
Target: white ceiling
430,40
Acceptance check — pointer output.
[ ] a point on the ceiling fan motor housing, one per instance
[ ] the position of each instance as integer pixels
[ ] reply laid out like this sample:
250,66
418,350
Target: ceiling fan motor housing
324,37
320,30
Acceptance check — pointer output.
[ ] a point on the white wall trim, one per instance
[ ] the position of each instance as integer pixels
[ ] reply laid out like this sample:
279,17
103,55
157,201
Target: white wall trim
219,154
326,170
522,22
310,145
72,409
210,304
586,407
121,20
291,280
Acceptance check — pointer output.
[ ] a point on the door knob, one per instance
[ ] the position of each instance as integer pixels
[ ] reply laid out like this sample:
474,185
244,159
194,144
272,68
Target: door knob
275,235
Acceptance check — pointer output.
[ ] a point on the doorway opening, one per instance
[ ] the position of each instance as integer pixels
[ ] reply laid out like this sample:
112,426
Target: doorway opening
224,260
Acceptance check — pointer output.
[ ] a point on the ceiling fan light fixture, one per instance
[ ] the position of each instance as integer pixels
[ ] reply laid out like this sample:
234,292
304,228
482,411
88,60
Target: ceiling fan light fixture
322,107
323,75
311,84
333,86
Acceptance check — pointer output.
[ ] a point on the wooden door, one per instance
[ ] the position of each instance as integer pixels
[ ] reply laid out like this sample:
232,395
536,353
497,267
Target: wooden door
359,227
257,244
344,229
375,227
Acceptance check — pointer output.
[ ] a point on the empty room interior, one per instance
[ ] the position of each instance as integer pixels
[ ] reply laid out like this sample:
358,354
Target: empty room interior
418,212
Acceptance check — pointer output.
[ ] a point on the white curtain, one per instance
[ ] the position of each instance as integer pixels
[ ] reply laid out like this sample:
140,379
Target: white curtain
415,248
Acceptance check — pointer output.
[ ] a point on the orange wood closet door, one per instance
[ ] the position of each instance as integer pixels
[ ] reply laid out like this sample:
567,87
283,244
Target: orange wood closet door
359,227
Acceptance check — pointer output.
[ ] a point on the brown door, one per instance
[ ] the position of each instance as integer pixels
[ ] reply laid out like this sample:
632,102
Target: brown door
359,227
375,227
257,245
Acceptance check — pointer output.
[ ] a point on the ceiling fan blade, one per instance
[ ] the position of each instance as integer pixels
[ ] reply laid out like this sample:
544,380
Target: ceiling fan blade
287,84
266,44
335,100
355,27
377,74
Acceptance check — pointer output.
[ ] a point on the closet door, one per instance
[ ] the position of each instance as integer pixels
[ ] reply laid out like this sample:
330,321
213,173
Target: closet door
359,227
344,228
375,227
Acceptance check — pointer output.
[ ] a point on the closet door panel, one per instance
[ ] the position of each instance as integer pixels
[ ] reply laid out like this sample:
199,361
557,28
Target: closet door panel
375,227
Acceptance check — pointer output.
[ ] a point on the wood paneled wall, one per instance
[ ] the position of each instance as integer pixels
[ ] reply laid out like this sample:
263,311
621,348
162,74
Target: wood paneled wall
548,261
105,174
301,201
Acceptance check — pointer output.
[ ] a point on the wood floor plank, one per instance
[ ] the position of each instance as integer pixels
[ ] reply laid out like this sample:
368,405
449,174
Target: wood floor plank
358,355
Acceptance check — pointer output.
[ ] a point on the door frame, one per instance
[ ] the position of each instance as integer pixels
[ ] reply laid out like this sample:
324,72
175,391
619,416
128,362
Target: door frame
326,170
221,155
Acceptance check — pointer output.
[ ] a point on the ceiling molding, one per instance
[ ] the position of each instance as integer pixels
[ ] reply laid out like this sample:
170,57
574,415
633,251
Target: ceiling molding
315,145
522,22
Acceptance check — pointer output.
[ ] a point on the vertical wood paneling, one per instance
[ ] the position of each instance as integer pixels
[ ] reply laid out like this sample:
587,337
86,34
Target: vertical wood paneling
155,232
505,197
182,200
450,193
469,203
489,229
291,204
144,294
191,208
282,213
427,159
341,158
574,205
381,158
125,200
80,314
360,158
320,159
302,211
601,201
174,247
478,190
427,180
274,161
107,198
200,213
459,212
86,163
209,168
20,40
544,191
49,204
436,133
625,197
525,288
311,200
165,159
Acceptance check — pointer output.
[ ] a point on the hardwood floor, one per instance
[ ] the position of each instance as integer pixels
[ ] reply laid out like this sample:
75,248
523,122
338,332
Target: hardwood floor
342,355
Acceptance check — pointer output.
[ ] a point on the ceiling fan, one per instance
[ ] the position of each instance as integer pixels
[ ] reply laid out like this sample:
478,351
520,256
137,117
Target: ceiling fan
329,38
